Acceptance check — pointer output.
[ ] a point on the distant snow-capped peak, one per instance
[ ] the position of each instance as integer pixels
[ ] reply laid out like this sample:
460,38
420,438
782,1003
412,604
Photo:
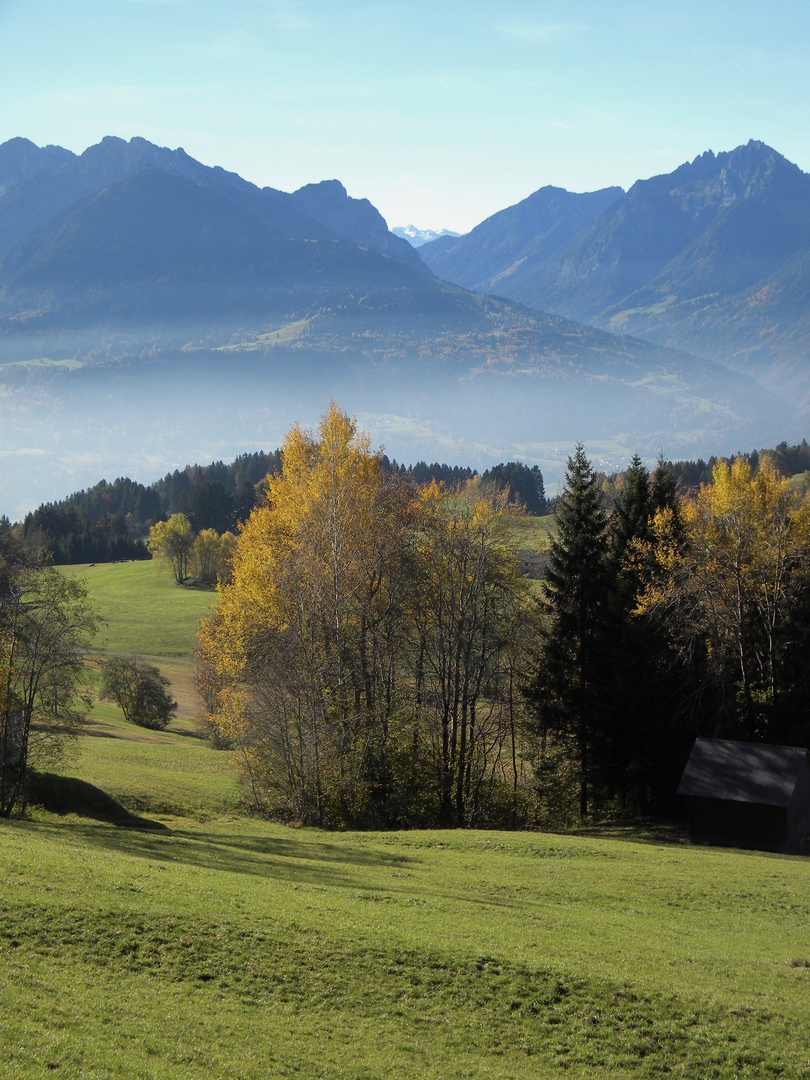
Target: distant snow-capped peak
417,237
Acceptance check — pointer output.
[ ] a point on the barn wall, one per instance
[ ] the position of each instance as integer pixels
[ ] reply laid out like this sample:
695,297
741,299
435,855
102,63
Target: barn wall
738,824
799,812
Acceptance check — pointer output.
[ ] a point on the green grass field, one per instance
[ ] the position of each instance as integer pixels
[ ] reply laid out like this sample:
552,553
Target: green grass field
251,950
533,533
145,611
199,942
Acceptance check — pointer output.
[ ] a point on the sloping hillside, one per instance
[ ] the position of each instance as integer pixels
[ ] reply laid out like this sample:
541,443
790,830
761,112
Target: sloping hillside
506,247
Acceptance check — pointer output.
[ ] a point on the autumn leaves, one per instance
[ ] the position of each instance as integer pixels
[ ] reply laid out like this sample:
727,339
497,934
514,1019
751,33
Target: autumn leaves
362,657
376,659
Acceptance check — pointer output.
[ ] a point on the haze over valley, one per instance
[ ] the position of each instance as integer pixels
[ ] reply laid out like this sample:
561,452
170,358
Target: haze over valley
155,311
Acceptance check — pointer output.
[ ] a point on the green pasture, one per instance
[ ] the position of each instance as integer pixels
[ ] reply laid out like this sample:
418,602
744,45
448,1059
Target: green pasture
150,928
144,610
533,533
248,949
170,774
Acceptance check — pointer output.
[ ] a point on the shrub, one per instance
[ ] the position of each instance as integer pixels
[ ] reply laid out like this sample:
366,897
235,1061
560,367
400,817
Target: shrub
139,690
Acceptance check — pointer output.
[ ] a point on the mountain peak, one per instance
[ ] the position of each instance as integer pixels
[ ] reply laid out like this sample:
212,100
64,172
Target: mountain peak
332,188
744,160
509,243
20,159
419,237
355,219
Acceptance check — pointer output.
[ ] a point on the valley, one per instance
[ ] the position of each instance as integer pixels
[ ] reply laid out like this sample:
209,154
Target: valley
154,311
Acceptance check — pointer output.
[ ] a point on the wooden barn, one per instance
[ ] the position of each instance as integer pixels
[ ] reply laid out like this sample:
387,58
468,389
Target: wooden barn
748,795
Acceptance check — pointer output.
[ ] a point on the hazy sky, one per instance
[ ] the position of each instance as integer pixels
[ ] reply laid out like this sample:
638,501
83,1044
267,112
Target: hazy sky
440,112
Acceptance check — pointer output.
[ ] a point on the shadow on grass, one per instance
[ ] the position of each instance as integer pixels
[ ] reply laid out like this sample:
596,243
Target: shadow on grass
188,733
297,861
637,830
293,860
68,795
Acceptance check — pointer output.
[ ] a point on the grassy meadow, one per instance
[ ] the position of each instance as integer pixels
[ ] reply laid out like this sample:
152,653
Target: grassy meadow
191,940
143,610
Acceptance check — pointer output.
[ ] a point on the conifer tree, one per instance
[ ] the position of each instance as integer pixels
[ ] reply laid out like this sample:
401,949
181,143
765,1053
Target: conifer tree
568,691
632,518
663,487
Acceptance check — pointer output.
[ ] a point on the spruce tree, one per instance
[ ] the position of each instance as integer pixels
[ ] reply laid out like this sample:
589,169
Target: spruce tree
632,518
568,692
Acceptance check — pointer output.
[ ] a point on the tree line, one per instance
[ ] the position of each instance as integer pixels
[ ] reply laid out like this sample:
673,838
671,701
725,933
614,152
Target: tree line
376,659
112,521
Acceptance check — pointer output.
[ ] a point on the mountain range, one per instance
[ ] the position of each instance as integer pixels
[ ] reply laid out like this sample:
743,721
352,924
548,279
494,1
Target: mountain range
147,301
137,239
713,258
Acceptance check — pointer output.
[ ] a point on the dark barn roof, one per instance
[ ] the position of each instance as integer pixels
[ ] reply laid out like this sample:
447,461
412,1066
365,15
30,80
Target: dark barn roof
742,772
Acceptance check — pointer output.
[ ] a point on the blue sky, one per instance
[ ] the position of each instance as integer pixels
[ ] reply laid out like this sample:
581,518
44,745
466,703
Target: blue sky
439,112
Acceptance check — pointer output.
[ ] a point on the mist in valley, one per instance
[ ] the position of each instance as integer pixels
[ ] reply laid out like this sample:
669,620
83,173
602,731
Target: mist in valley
67,423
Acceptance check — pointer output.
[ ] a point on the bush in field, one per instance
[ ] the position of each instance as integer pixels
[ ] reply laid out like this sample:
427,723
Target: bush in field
139,690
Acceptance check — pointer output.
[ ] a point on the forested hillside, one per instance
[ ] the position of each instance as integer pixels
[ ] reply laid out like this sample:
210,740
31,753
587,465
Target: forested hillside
112,521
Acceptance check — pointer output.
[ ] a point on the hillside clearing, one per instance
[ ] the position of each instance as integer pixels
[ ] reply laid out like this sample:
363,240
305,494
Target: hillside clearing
205,943
145,612
249,949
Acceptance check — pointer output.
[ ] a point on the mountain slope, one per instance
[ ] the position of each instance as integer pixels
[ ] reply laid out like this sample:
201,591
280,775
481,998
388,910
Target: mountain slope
353,219
502,249
176,310
21,159
156,251
158,246
710,258
716,225
41,183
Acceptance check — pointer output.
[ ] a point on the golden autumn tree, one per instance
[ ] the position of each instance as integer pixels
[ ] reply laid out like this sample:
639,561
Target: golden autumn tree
297,657
733,582
173,540
362,655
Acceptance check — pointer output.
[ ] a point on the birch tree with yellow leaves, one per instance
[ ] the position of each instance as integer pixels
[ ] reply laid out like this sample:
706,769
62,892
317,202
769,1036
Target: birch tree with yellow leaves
299,652
356,656
734,582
